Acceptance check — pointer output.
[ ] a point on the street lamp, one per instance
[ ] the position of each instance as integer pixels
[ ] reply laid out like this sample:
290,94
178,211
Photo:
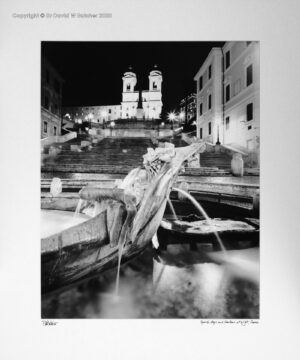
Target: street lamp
172,117
112,125
218,135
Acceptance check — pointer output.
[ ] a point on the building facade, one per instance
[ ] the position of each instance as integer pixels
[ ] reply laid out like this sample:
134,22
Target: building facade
188,107
94,114
51,100
128,109
228,96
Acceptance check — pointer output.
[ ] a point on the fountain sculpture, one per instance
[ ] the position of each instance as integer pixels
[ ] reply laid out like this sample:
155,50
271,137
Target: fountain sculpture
126,219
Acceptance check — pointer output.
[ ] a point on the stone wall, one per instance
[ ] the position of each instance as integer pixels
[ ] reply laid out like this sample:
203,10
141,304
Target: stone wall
149,133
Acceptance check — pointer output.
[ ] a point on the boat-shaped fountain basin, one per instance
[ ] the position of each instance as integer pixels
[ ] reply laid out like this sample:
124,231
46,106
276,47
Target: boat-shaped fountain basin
235,233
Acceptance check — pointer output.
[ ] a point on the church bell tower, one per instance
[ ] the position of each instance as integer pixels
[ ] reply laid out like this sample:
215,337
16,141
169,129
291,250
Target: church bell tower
129,96
154,96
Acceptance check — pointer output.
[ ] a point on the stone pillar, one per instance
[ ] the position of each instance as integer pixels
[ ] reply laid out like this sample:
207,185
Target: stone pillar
237,165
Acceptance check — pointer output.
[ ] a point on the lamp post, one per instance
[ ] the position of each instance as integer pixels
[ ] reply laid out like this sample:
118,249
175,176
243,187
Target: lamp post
218,135
172,117
79,122
90,119
112,125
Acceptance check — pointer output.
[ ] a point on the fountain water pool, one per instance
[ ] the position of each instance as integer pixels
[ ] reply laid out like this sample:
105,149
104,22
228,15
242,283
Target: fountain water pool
176,298
196,289
55,221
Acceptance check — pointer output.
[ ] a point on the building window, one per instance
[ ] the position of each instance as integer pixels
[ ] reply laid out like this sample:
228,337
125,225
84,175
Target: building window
54,130
227,59
209,72
209,128
46,102
45,127
227,93
154,85
47,77
250,112
109,111
249,75
227,120
201,109
201,133
209,101
249,127
200,83
128,87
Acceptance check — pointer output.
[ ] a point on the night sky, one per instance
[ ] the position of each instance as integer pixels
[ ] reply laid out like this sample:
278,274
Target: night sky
93,70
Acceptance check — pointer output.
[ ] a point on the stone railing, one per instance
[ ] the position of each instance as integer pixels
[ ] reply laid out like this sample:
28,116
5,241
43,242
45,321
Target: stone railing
232,149
189,138
120,132
58,139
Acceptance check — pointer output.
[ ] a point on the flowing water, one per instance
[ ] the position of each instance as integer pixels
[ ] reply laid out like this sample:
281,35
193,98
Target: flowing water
173,283
120,253
202,212
78,208
172,209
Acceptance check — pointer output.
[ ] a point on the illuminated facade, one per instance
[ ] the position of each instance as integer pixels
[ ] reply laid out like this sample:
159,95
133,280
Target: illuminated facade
188,107
228,95
151,102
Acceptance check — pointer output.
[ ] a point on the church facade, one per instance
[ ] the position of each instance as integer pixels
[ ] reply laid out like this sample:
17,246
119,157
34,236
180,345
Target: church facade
139,105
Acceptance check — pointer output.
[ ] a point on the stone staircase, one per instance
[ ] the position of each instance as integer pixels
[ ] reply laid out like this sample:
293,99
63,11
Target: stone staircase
66,145
218,160
120,155
111,155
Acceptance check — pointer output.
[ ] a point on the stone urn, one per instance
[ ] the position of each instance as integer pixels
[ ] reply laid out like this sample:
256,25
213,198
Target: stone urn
237,165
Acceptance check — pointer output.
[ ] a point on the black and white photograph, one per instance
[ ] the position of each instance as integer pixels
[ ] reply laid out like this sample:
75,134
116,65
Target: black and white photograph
149,157
150,179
